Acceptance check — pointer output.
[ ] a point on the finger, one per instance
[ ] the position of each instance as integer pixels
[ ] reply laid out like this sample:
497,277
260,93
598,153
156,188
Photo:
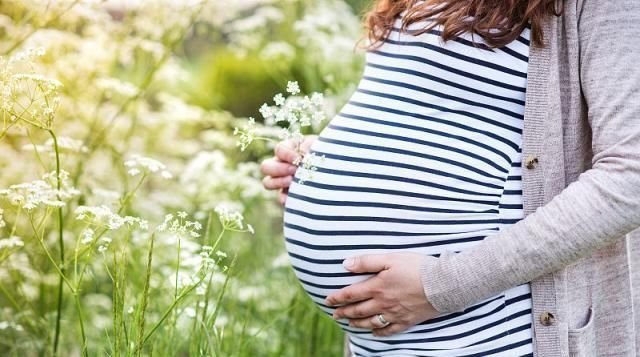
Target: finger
389,330
306,143
286,151
275,183
282,196
353,293
372,263
276,168
371,323
358,311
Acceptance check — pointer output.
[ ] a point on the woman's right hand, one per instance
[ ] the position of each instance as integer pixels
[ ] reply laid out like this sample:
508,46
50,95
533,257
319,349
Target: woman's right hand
279,170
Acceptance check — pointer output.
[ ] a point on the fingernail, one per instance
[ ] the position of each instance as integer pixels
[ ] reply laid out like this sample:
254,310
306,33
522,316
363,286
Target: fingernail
349,263
293,169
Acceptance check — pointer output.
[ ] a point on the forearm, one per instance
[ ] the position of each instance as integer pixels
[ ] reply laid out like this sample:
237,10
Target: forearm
604,204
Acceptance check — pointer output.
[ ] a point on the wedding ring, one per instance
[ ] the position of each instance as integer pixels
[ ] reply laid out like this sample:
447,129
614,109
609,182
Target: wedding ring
382,320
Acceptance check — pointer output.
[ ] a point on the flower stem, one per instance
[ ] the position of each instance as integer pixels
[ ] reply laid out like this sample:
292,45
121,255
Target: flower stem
145,299
56,338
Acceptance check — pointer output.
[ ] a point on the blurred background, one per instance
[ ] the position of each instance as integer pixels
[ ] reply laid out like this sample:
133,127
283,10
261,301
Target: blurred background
131,223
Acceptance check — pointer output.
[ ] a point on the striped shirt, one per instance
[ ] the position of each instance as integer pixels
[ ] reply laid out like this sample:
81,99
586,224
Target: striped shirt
425,157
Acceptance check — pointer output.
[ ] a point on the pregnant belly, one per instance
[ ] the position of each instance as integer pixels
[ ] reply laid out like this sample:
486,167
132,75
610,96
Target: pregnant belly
350,208
371,197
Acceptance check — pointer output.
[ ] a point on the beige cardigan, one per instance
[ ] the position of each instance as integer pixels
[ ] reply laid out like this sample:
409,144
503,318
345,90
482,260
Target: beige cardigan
581,191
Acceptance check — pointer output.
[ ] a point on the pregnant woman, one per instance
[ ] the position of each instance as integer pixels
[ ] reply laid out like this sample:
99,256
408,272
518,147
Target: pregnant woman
480,187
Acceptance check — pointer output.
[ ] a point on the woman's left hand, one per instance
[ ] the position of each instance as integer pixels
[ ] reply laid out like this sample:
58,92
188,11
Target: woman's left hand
395,291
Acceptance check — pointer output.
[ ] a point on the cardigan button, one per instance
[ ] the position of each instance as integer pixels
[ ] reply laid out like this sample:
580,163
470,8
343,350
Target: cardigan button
531,162
547,319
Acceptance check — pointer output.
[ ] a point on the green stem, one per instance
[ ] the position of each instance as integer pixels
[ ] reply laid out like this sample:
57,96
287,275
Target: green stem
169,310
145,300
56,339
85,351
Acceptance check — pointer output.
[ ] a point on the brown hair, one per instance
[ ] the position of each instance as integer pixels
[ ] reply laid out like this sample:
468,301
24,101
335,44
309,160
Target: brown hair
497,22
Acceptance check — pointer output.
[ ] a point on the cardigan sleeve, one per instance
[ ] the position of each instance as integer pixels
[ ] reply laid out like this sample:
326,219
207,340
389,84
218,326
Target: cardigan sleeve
603,204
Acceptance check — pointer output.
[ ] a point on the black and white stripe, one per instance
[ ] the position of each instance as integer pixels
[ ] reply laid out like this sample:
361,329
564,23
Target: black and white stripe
425,157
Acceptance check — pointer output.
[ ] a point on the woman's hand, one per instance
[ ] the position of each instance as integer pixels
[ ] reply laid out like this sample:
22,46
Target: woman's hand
279,170
395,291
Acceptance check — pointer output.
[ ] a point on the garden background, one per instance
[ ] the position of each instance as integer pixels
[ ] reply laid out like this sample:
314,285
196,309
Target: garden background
131,222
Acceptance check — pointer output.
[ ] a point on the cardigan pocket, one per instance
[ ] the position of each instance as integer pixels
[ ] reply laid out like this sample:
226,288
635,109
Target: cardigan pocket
582,340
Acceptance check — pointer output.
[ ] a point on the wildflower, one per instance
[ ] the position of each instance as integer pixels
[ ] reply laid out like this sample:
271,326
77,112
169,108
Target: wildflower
297,112
139,164
41,193
105,243
293,88
102,216
247,134
11,242
190,312
65,144
87,236
308,167
278,51
116,86
180,225
221,254
230,219
2,222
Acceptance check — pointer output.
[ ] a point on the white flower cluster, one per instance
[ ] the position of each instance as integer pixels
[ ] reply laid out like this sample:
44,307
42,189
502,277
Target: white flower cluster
4,325
65,144
104,244
246,135
329,30
247,33
11,242
102,216
115,86
232,219
308,165
2,222
22,88
41,193
180,225
295,111
140,164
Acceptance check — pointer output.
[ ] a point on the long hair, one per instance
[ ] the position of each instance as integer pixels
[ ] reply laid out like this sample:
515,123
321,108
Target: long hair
497,22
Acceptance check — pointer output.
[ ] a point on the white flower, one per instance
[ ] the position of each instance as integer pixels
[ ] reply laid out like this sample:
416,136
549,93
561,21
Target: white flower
308,165
12,242
296,111
279,99
139,164
133,172
116,86
246,135
180,225
87,236
221,254
41,193
293,88
103,217
230,219
279,50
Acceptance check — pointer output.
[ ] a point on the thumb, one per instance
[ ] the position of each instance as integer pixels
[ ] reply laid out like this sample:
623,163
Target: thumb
372,263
